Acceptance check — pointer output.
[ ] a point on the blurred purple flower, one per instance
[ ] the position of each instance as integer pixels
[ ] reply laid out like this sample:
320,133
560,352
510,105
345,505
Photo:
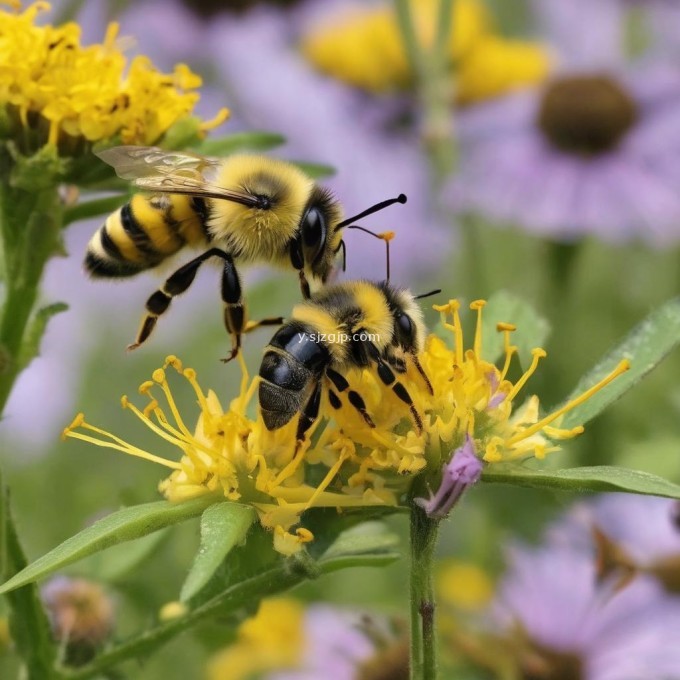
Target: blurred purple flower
462,471
645,529
571,627
335,646
594,151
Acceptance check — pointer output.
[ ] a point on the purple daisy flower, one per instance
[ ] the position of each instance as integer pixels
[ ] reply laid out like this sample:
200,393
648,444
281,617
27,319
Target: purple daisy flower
593,151
644,530
567,626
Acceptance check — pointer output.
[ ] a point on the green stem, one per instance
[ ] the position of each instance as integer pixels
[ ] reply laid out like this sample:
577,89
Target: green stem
434,85
423,634
29,224
28,622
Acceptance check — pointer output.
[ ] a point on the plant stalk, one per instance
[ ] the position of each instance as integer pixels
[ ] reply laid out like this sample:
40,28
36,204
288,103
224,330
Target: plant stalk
423,663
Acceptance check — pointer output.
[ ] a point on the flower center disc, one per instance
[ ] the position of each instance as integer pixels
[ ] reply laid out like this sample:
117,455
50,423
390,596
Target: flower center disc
547,664
586,115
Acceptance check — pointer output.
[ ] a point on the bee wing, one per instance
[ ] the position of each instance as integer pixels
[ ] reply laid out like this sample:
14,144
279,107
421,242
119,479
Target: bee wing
173,172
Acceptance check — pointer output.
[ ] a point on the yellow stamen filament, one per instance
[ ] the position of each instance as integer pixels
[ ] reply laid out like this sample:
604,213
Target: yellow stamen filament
506,329
159,377
327,480
622,367
117,444
478,305
536,355
219,118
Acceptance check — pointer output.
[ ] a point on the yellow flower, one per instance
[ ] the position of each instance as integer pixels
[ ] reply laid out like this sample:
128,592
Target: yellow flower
470,398
272,640
232,456
496,66
55,90
364,48
463,585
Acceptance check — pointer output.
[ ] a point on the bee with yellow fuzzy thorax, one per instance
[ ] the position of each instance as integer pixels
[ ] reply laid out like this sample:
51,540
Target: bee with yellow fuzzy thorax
243,209
355,324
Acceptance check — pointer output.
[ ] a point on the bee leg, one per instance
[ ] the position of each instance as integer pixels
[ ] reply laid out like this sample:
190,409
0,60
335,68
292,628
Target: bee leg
176,284
309,412
421,370
341,384
386,374
234,308
298,261
270,321
304,285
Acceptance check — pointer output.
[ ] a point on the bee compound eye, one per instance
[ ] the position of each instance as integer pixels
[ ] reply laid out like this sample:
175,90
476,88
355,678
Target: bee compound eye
313,232
405,325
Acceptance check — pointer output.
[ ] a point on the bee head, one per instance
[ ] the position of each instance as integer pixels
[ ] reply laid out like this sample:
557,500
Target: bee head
320,238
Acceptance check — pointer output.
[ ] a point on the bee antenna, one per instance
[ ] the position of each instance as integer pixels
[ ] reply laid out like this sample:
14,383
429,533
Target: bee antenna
386,236
424,295
343,247
373,209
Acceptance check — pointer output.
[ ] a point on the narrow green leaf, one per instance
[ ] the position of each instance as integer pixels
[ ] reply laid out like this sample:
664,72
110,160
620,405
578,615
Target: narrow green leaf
29,626
532,329
645,346
316,170
598,478
223,525
119,527
117,562
238,142
233,600
31,346
365,538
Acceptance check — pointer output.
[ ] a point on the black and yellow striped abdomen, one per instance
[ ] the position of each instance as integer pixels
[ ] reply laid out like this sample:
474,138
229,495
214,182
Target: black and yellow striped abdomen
144,232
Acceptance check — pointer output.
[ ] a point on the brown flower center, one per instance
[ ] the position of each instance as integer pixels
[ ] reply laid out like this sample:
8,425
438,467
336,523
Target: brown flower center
667,570
390,663
542,663
586,115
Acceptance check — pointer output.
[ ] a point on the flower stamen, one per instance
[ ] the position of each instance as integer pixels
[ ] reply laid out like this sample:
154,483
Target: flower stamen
621,367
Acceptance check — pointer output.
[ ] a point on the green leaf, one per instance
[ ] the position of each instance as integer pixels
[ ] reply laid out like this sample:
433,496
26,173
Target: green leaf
368,544
532,329
234,601
598,478
223,525
316,170
119,527
30,347
115,563
238,142
646,345
29,626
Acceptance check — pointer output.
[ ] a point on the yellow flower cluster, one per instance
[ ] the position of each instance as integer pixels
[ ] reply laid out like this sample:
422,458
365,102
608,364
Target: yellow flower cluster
232,455
52,86
365,49
470,397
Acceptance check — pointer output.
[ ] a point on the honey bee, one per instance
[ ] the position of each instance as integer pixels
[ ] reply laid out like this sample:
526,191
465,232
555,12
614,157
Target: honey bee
243,209
352,324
